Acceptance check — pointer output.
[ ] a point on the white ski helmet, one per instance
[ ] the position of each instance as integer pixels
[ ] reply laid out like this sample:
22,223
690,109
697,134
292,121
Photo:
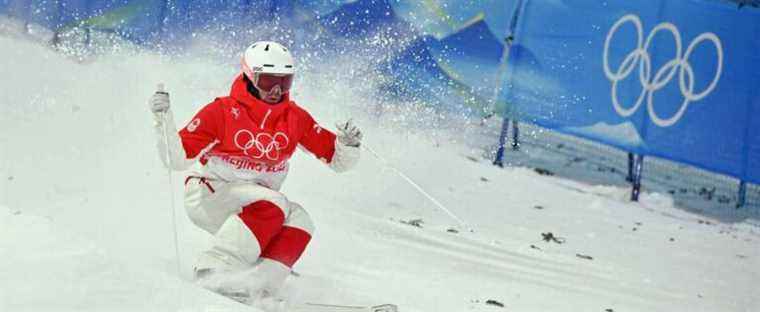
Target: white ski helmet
267,57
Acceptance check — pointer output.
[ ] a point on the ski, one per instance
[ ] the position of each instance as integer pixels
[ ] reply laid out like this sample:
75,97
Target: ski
321,307
242,298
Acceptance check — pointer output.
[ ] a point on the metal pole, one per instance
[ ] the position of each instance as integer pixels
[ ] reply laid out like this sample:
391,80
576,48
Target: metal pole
742,194
499,161
87,38
629,178
638,169
515,135
161,89
503,62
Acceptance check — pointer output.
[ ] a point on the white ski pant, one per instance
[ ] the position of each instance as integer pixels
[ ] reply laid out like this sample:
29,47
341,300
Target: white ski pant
248,220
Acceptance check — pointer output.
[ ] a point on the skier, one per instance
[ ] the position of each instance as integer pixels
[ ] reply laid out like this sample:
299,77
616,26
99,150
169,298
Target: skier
240,145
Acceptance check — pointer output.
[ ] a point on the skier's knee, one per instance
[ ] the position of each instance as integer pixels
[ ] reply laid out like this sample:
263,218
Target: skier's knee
234,237
299,218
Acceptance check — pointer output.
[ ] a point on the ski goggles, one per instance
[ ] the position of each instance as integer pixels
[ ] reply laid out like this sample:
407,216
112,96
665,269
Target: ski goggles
265,82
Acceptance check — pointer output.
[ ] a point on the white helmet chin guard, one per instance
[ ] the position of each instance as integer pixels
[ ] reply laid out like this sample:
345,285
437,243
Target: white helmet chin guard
267,57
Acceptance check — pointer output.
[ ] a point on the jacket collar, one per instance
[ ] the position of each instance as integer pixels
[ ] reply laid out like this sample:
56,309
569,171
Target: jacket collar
260,111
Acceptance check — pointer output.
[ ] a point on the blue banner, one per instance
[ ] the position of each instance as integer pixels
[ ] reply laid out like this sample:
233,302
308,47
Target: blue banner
673,79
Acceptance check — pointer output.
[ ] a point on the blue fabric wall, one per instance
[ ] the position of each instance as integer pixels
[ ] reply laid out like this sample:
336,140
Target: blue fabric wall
674,79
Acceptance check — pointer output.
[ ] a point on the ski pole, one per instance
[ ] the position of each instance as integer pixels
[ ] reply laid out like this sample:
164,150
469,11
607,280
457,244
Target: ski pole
161,90
417,187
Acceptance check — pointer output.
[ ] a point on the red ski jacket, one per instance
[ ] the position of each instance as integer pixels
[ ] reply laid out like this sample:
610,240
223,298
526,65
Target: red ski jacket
252,140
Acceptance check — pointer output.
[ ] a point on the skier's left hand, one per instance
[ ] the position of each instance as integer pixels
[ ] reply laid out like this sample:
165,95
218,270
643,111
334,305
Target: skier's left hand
349,134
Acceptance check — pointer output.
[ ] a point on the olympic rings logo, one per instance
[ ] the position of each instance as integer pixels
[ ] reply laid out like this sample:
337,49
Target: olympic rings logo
263,144
663,75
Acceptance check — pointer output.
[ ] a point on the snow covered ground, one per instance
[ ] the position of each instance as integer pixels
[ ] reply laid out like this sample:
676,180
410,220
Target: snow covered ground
85,219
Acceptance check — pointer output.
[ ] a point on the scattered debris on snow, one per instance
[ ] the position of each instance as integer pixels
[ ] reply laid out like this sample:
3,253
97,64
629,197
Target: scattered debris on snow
549,237
543,171
494,303
414,222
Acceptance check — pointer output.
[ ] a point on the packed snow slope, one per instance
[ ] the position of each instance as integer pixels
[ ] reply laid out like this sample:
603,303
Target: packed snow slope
86,221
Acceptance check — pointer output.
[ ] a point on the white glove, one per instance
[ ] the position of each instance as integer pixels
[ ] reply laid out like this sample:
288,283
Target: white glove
349,134
159,101
168,141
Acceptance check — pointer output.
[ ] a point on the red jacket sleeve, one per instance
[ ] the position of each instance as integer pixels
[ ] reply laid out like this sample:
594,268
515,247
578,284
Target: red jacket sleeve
202,130
317,140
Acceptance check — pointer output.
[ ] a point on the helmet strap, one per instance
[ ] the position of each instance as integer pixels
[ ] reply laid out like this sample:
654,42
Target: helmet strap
251,88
